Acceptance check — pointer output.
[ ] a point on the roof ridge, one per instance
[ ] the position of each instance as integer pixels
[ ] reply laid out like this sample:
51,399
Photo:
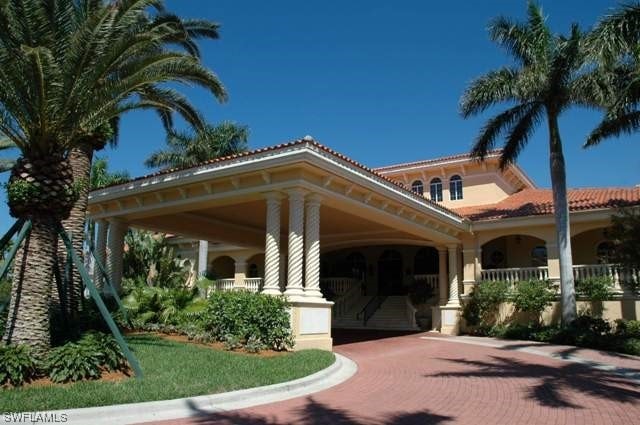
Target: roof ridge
433,160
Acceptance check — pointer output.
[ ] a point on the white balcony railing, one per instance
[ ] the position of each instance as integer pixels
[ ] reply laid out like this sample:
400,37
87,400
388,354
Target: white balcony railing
430,279
619,275
340,285
253,284
516,274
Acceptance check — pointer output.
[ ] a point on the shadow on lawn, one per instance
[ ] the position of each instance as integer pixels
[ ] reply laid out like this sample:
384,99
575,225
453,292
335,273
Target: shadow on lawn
314,413
553,383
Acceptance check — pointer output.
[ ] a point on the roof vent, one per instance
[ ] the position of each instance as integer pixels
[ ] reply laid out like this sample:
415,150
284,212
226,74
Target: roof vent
308,138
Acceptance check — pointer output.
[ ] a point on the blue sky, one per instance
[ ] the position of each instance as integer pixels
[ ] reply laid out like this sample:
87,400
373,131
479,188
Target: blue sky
376,80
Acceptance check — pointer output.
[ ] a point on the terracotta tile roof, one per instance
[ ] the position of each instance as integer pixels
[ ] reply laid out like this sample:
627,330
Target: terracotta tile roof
299,142
531,202
432,161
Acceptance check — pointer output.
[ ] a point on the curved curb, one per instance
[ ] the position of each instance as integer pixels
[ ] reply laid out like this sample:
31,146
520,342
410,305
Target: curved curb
341,370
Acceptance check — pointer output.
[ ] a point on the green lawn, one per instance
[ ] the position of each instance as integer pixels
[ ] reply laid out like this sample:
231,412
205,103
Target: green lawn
172,370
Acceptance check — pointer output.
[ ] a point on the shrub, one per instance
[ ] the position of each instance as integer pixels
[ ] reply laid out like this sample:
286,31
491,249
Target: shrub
17,365
595,288
630,346
73,362
245,314
232,342
84,359
254,345
486,297
533,296
628,328
586,331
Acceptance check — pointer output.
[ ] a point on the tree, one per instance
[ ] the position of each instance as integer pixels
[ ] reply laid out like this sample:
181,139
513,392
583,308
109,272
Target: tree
545,80
189,149
68,71
102,177
625,233
6,163
614,45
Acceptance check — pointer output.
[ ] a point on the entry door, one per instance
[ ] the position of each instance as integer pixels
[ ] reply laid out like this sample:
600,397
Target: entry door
390,273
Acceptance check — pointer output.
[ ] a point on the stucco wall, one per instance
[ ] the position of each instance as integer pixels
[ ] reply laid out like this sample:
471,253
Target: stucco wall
517,251
584,246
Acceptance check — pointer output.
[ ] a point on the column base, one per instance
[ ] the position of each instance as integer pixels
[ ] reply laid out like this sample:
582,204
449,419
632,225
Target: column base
313,294
294,294
271,291
435,318
450,319
311,324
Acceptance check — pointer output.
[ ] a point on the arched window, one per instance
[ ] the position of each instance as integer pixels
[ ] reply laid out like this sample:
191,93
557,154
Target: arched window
436,189
418,187
253,270
539,256
605,252
455,187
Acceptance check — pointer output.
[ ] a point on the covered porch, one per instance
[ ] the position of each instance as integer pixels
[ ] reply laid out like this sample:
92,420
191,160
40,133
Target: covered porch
280,207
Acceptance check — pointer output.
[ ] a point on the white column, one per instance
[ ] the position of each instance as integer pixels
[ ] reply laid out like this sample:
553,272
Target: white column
203,257
272,245
312,248
296,243
117,230
442,275
102,226
454,299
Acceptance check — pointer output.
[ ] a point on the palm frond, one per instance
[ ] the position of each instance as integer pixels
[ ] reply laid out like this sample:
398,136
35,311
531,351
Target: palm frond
614,126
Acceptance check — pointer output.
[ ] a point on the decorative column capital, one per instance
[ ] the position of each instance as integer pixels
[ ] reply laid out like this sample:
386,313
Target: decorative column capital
452,247
441,250
273,196
296,192
314,199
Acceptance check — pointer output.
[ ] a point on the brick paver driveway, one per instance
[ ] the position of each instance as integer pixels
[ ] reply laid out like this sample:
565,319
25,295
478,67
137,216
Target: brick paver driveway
407,380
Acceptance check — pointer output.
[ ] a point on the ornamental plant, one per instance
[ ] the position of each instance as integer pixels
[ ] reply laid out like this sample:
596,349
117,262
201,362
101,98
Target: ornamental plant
533,296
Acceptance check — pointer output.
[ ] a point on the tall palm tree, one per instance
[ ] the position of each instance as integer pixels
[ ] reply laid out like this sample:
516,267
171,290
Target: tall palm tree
614,43
544,82
68,70
6,163
189,149
101,176
184,32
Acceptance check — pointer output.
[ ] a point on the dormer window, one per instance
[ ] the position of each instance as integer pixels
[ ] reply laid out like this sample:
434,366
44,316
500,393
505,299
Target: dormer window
455,187
417,187
436,189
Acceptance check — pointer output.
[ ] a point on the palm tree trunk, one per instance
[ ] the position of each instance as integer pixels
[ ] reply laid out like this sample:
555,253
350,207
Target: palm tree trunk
28,315
563,232
80,159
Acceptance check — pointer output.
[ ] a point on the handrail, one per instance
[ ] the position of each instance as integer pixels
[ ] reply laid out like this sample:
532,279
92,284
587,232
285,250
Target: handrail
370,308
343,303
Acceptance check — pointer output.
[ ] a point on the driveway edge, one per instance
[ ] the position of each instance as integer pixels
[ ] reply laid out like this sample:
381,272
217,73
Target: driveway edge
342,369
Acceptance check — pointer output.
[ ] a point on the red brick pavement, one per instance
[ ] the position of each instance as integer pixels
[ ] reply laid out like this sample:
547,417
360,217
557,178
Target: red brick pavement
407,380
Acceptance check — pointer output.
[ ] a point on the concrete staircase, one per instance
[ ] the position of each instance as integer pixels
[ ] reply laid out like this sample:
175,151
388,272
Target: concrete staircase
392,314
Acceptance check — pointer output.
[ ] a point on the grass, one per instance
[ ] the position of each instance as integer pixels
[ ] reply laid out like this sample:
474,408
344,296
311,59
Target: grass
172,370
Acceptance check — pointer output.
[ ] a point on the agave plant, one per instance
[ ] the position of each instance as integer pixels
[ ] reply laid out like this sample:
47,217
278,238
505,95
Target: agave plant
70,70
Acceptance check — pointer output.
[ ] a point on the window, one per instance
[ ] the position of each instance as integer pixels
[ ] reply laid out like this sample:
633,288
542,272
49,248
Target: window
436,190
417,187
605,252
539,256
455,187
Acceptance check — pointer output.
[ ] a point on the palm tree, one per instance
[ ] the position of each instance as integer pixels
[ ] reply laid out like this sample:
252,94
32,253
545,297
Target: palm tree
614,43
183,32
545,81
6,163
101,176
68,70
189,149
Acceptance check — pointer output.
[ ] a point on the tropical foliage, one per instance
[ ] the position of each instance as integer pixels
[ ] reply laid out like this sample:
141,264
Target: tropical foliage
625,233
101,176
547,78
189,149
70,70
